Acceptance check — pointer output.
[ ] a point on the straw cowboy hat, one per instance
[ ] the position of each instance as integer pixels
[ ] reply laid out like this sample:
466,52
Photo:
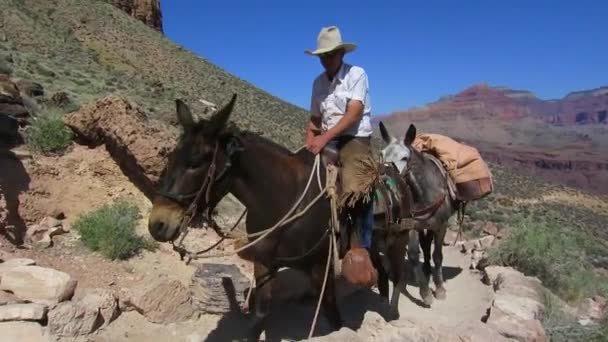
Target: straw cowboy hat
329,39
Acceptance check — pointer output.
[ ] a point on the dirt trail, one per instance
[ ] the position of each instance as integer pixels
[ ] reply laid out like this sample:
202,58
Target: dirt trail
468,299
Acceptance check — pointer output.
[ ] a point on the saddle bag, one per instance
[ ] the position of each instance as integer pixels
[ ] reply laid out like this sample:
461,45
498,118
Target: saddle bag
463,163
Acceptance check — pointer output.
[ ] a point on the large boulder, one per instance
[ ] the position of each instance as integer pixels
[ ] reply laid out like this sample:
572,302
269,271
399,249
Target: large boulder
139,145
94,309
161,301
37,284
22,312
23,331
218,288
517,309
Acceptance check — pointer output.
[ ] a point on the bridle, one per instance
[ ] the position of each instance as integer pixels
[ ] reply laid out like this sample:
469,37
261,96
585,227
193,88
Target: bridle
232,147
408,210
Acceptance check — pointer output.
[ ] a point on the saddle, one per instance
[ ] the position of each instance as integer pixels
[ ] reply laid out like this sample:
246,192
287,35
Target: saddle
356,265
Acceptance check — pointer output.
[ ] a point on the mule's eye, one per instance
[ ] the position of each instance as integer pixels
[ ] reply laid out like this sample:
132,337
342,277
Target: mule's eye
198,160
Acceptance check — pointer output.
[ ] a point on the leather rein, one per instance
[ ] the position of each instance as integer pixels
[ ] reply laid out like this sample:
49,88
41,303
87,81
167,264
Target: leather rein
210,179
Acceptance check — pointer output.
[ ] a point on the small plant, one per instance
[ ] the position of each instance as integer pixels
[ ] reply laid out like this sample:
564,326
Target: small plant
557,254
110,230
561,326
48,133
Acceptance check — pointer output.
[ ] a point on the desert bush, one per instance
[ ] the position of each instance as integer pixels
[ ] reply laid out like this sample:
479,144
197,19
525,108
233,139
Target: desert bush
48,134
5,68
561,326
110,230
558,254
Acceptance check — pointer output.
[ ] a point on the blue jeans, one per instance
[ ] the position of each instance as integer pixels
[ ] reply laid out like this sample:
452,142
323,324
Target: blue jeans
366,218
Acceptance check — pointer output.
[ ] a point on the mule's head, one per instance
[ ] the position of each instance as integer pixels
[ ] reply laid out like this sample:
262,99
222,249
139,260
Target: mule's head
201,145
398,152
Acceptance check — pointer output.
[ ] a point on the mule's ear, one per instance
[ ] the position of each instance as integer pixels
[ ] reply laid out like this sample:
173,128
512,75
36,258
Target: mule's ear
220,118
184,116
385,135
410,135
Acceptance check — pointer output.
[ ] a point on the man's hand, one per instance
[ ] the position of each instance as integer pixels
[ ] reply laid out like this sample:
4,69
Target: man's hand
316,144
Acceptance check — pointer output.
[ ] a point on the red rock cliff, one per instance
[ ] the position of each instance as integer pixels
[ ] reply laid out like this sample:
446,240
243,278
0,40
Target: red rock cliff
148,11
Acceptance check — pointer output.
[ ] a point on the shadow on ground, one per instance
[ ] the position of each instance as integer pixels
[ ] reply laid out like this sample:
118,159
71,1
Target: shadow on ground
294,306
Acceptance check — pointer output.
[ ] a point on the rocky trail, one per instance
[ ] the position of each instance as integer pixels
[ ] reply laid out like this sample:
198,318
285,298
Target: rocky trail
154,296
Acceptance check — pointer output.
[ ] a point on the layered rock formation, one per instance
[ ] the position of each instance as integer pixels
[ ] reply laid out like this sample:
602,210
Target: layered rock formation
147,11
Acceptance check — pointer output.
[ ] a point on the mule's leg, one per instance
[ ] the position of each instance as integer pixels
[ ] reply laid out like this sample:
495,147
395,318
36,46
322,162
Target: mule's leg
329,301
396,255
426,238
377,261
438,260
264,279
413,254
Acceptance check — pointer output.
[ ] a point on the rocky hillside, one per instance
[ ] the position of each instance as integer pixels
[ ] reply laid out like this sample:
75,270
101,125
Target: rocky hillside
562,140
90,48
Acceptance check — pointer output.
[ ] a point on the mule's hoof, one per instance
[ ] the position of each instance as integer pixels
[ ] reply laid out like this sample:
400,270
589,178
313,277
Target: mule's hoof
427,298
440,293
392,315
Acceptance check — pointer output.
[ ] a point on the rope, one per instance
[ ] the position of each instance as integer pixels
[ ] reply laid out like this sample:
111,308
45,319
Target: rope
262,234
327,264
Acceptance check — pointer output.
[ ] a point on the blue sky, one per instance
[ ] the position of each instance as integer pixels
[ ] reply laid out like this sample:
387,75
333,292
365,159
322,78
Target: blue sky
414,52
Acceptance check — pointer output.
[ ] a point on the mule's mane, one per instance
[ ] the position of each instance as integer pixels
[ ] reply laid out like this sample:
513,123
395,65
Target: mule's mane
270,144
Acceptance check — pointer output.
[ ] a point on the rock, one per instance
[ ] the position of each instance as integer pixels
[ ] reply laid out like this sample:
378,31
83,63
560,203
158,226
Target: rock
490,228
517,310
139,145
147,11
40,235
521,307
341,335
375,328
103,300
518,329
38,284
30,88
486,242
22,312
162,301
12,109
60,99
476,331
3,205
594,309
479,260
93,310
9,298
10,263
23,331
218,288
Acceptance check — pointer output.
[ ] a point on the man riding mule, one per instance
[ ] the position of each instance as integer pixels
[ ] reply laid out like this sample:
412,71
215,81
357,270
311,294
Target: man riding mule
288,222
340,110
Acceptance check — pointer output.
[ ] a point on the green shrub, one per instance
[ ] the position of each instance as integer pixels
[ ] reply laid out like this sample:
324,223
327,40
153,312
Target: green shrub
561,326
557,254
110,230
48,134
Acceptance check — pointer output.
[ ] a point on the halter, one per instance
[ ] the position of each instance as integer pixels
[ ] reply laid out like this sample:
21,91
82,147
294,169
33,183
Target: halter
232,147
407,209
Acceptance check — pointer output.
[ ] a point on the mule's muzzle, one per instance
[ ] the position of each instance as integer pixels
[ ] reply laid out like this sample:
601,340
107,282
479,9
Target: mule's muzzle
165,220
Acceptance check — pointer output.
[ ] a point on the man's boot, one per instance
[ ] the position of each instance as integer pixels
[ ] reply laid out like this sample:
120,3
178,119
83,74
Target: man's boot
357,266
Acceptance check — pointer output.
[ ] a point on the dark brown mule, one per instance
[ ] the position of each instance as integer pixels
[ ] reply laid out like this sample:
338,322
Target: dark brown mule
268,179
429,190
